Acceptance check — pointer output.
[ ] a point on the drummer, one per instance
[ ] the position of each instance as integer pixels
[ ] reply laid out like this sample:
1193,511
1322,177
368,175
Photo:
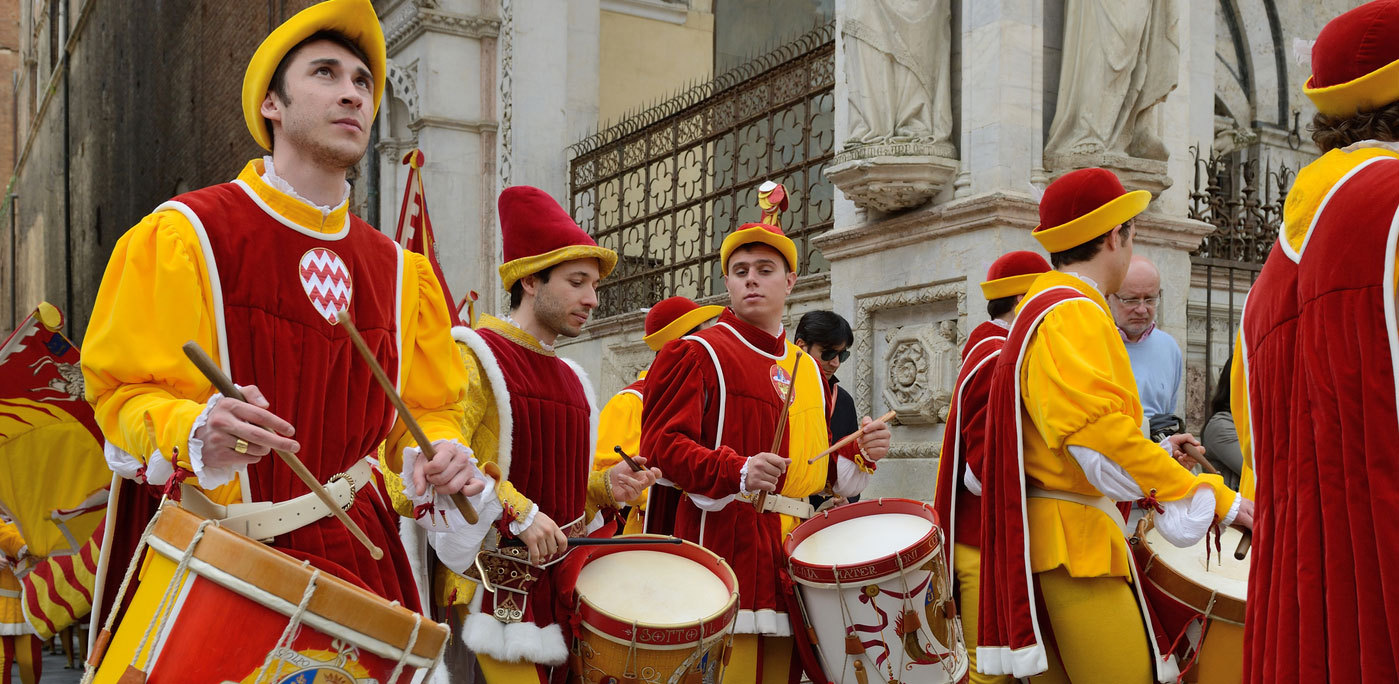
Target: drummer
1065,431
958,497
619,425
529,418
712,404
226,267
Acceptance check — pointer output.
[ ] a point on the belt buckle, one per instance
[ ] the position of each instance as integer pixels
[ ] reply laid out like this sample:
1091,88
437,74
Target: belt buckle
353,492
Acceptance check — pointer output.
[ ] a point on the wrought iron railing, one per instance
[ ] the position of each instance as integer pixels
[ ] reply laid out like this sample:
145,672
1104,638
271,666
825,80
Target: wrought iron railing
663,188
1245,205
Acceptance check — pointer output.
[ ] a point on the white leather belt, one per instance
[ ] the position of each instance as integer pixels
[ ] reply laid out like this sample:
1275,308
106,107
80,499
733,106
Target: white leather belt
264,520
786,505
1101,503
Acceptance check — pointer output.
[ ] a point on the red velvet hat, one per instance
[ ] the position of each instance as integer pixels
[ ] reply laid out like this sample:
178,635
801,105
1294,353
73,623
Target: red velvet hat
673,317
1082,205
1012,274
538,234
1355,61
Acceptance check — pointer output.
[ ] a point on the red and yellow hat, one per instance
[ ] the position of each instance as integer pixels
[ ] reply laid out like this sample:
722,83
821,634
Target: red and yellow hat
673,317
772,199
1355,61
355,19
1012,274
537,233
1082,205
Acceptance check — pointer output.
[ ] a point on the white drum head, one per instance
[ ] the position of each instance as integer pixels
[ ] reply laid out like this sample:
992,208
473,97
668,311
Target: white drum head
1225,575
863,539
652,587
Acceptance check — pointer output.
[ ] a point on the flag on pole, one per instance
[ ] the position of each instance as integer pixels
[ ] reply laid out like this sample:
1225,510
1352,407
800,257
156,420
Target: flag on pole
418,237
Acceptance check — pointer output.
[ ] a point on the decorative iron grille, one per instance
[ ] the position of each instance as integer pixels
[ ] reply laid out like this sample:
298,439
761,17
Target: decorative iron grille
1245,207
663,188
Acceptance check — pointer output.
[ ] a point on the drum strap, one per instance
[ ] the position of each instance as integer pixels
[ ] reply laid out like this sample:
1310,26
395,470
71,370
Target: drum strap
265,520
786,505
1101,503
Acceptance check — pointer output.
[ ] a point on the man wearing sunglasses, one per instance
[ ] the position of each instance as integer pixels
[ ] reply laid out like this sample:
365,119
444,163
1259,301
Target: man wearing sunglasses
826,337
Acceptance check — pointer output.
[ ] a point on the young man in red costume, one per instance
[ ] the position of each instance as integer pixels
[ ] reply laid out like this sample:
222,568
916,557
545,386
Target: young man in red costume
1315,381
1058,595
958,497
712,404
254,271
619,425
531,419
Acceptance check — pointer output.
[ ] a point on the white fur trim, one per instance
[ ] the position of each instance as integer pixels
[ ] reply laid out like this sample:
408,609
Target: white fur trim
413,538
592,408
496,378
513,643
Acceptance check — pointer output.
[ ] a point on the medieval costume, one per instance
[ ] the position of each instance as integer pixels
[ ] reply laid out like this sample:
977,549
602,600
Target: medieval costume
1315,386
619,425
1064,441
958,497
255,275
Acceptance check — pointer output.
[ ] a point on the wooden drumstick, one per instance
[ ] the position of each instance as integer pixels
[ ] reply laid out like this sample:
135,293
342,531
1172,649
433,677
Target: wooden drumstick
781,424
226,387
635,468
1245,542
463,505
1199,455
850,438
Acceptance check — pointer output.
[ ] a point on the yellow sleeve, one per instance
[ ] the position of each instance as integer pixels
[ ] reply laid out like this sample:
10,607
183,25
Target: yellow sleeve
807,434
1238,405
619,424
154,297
10,540
1079,390
434,380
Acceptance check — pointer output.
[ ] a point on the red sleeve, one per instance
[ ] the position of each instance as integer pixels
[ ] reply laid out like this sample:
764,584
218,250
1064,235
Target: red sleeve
673,420
975,396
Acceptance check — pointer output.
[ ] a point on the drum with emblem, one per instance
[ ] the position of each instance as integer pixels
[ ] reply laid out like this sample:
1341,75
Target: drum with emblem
214,607
875,593
1200,592
662,613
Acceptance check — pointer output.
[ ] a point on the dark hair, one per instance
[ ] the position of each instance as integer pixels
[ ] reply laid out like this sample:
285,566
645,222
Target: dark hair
1331,132
278,84
1220,401
826,328
517,290
996,308
1087,250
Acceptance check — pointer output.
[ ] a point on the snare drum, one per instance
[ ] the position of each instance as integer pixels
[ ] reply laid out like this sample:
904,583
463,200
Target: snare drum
875,591
1183,588
662,613
214,607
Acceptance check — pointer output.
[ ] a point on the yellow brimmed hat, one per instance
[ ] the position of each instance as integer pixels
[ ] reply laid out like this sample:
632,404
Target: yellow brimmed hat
772,199
673,317
355,19
537,233
1012,274
1355,61
1083,204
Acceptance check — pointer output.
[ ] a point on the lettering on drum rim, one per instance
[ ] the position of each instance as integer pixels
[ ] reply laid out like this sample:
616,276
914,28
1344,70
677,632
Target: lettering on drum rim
911,558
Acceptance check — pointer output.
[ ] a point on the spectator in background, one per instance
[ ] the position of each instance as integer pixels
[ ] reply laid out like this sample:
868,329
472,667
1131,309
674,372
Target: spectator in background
826,337
1220,439
1156,359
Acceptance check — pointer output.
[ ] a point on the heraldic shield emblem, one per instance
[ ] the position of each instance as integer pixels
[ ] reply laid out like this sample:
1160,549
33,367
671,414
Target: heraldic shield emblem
327,282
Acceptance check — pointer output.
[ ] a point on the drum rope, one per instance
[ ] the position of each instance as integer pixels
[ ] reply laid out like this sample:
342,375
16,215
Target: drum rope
631,663
289,633
167,602
407,650
90,670
847,617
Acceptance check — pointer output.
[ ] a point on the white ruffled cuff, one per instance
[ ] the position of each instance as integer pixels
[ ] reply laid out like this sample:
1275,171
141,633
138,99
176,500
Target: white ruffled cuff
1233,510
850,480
443,508
518,526
458,542
209,477
743,478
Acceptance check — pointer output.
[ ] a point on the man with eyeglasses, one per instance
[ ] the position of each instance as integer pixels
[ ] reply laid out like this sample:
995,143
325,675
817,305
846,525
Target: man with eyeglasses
1156,358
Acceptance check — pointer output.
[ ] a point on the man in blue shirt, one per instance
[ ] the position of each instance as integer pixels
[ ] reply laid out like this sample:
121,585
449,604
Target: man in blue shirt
1156,358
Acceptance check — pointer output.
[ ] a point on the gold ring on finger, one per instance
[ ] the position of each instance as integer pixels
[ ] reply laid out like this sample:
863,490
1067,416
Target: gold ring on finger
241,446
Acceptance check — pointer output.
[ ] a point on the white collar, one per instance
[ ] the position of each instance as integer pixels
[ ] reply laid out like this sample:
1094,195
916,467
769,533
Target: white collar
511,321
1000,323
1085,279
1379,144
270,177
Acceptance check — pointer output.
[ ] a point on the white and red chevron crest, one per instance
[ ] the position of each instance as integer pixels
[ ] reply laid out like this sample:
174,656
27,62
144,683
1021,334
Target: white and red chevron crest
327,282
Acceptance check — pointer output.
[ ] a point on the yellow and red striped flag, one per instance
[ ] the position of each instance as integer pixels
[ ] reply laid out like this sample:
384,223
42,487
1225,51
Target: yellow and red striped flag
419,237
